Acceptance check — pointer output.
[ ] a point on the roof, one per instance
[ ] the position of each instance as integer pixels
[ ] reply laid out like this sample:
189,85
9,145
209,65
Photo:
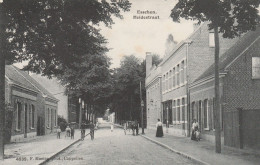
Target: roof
16,78
34,83
232,53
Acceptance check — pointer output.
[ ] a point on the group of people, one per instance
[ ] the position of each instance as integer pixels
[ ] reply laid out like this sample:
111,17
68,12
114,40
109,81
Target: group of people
195,134
70,131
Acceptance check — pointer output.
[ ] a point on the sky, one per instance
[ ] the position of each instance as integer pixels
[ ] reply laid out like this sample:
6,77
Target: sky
137,36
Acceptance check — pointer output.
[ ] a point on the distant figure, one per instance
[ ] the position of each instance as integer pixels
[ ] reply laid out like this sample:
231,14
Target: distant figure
58,132
72,131
159,130
97,123
67,132
82,131
112,127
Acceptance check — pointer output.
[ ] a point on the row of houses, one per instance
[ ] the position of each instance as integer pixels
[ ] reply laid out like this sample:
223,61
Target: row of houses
181,87
34,108
36,103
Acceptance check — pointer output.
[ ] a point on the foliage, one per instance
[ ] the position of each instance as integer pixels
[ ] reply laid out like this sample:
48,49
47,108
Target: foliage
56,34
156,59
126,94
233,17
62,123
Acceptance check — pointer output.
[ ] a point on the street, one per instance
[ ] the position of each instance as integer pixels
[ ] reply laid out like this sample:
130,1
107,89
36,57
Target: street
117,148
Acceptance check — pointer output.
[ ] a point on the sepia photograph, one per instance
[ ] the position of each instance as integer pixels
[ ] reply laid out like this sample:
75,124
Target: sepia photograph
129,82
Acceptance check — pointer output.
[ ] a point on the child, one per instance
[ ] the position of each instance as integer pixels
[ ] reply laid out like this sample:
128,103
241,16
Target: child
58,132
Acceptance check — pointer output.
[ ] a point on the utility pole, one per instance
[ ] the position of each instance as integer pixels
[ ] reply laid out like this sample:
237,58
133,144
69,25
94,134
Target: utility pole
80,113
217,95
142,108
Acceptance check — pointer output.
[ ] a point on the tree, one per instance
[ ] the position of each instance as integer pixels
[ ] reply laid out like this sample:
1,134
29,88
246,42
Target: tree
231,18
126,89
52,35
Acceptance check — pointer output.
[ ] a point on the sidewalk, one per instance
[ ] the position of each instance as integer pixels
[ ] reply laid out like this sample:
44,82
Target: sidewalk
37,150
204,151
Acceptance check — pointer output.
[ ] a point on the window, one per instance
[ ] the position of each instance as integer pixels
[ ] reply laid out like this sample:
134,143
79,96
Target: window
32,116
170,80
178,75
182,73
178,110
173,77
183,109
167,87
192,110
163,83
48,117
211,40
206,113
19,113
256,67
174,111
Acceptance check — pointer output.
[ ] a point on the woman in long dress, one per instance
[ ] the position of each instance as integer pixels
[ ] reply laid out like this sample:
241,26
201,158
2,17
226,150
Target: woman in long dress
159,130
195,127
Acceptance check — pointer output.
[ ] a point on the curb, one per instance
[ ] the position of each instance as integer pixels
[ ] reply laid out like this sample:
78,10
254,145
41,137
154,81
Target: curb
54,155
175,151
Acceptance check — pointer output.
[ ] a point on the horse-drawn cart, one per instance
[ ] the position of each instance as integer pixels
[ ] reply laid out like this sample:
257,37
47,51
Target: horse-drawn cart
131,125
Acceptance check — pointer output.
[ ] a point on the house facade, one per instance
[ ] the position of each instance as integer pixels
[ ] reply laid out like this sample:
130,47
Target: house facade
179,68
239,94
34,109
153,92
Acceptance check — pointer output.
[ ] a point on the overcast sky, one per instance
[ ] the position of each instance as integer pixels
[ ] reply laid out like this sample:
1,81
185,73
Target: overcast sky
137,36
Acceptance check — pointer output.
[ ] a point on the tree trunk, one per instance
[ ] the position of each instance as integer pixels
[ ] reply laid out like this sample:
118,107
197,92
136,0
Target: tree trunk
217,95
2,84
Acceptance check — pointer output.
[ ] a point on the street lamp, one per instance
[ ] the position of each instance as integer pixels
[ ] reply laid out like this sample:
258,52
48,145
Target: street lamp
80,112
142,109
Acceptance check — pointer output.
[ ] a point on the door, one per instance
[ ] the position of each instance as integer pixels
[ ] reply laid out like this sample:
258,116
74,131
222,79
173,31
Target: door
25,120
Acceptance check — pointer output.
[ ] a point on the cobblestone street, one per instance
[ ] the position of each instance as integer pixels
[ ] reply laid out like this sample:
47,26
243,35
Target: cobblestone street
117,148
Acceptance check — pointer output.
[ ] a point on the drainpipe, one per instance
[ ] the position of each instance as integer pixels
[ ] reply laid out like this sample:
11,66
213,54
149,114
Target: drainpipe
188,42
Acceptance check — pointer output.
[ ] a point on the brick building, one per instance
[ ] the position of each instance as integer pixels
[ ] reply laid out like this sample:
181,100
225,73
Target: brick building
35,109
239,89
153,92
179,68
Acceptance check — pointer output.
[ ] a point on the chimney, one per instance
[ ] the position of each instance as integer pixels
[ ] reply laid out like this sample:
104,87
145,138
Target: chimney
149,62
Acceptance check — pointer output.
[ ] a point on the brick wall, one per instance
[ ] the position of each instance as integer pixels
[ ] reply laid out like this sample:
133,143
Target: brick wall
201,55
240,89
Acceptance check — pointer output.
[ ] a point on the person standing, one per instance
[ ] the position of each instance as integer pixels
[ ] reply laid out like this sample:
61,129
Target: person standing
159,129
112,127
195,127
72,131
67,132
82,131
58,132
